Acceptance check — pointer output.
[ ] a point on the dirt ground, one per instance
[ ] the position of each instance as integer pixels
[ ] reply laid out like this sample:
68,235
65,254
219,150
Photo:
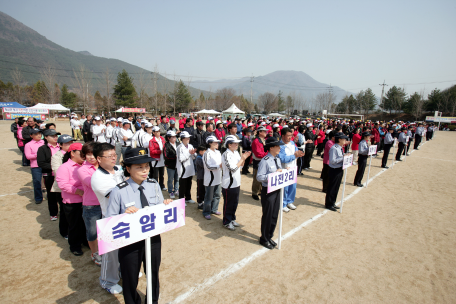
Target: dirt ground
394,242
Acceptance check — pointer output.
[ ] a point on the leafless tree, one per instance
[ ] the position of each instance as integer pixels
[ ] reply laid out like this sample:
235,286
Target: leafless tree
223,98
142,82
108,82
49,78
82,84
268,102
18,82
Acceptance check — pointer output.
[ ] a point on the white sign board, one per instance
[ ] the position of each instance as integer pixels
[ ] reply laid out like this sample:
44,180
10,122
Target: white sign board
372,150
348,161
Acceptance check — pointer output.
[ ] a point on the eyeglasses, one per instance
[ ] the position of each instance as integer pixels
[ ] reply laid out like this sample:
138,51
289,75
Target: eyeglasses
110,156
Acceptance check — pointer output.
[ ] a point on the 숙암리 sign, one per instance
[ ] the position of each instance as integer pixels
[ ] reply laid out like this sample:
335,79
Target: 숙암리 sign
25,111
372,150
282,179
348,161
124,229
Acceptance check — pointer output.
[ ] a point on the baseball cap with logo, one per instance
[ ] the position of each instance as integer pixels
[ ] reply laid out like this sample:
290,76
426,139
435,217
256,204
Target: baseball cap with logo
212,139
137,156
184,134
230,139
171,133
155,129
97,118
64,138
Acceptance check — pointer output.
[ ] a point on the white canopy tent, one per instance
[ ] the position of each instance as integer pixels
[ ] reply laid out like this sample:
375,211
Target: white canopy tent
204,111
50,107
232,110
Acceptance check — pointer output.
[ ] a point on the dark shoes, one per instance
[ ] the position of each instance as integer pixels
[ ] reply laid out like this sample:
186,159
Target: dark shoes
359,185
255,197
273,243
77,252
266,244
386,167
38,202
331,208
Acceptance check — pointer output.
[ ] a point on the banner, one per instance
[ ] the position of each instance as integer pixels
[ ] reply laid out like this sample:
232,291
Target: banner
441,119
16,115
25,111
372,150
282,179
124,229
348,161
133,110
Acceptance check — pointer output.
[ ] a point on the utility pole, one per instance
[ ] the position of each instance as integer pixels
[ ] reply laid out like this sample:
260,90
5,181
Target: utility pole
155,87
87,104
251,89
381,97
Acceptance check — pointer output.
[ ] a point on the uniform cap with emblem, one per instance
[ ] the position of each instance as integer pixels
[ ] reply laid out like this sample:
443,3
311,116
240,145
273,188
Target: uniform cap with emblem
231,139
212,139
171,133
341,135
137,156
119,119
184,134
126,121
64,138
148,125
272,141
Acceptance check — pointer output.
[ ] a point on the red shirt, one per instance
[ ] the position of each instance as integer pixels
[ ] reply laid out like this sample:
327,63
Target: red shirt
355,141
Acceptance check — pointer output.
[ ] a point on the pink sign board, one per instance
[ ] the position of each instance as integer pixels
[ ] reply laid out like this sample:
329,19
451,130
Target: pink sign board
282,179
124,229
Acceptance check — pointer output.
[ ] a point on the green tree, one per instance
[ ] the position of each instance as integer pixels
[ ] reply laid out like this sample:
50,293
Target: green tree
415,105
289,105
369,102
68,99
183,97
435,101
395,99
280,102
124,91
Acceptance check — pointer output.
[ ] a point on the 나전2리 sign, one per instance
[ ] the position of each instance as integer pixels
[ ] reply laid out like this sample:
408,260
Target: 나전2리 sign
372,150
124,229
348,161
282,179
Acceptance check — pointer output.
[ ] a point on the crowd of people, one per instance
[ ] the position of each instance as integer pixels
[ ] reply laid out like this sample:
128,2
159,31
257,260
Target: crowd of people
113,166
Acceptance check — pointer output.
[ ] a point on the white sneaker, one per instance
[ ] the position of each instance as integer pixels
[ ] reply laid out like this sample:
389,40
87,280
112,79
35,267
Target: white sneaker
116,289
310,168
355,163
171,195
96,258
235,224
285,209
190,201
307,169
230,226
291,206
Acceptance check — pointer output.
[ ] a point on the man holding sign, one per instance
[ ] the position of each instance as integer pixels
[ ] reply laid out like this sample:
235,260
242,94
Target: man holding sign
335,173
270,202
362,159
129,197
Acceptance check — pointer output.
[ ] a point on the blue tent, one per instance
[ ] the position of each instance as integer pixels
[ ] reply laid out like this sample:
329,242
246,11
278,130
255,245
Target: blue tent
11,105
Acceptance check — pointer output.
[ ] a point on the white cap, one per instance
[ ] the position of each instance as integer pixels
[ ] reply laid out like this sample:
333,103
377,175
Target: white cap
210,118
250,124
309,125
120,119
148,125
97,118
171,133
143,121
184,134
285,126
275,126
230,139
263,123
211,139
224,122
126,121
155,129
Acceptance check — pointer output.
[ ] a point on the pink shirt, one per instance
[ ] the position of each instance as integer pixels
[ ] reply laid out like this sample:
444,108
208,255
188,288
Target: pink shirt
328,146
30,150
54,149
68,181
85,173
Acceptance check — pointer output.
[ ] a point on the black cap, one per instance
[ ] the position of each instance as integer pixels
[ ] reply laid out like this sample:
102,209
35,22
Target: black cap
364,134
341,135
390,128
137,156
64,139
272,141
34,131
403,129
50,132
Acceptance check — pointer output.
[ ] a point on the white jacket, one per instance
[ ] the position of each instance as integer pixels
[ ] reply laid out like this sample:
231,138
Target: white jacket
184,164
212,170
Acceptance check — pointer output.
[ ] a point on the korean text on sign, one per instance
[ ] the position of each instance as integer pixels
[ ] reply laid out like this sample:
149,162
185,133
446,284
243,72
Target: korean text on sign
348,161
125,229
372,150
282,179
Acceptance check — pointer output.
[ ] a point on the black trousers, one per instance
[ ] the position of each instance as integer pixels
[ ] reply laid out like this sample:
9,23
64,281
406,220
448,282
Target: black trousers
87,137
324,175
386,152
300,163
230,204
362,161
76,227
320,148
63,223
334,178
408,146
308,156
270,204
245,168
159,175
130,258
382,144
200,191
51,196
429,135
400,149
417,141
185,185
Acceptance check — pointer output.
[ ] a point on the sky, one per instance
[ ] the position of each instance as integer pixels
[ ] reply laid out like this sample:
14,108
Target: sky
350,44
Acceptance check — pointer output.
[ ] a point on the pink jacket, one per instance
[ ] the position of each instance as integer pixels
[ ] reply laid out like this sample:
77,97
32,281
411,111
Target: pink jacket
20,142
85,173
30,150
68,181
328,146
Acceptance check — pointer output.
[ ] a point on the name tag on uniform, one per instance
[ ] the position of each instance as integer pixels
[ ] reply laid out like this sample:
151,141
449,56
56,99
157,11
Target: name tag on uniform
130,204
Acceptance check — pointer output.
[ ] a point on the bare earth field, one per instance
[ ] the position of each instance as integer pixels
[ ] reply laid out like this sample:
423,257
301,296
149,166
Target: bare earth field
395,242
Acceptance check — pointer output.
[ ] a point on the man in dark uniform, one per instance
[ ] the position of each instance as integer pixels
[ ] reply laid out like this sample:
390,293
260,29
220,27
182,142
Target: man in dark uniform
388,143
270,202
418,135
136,193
